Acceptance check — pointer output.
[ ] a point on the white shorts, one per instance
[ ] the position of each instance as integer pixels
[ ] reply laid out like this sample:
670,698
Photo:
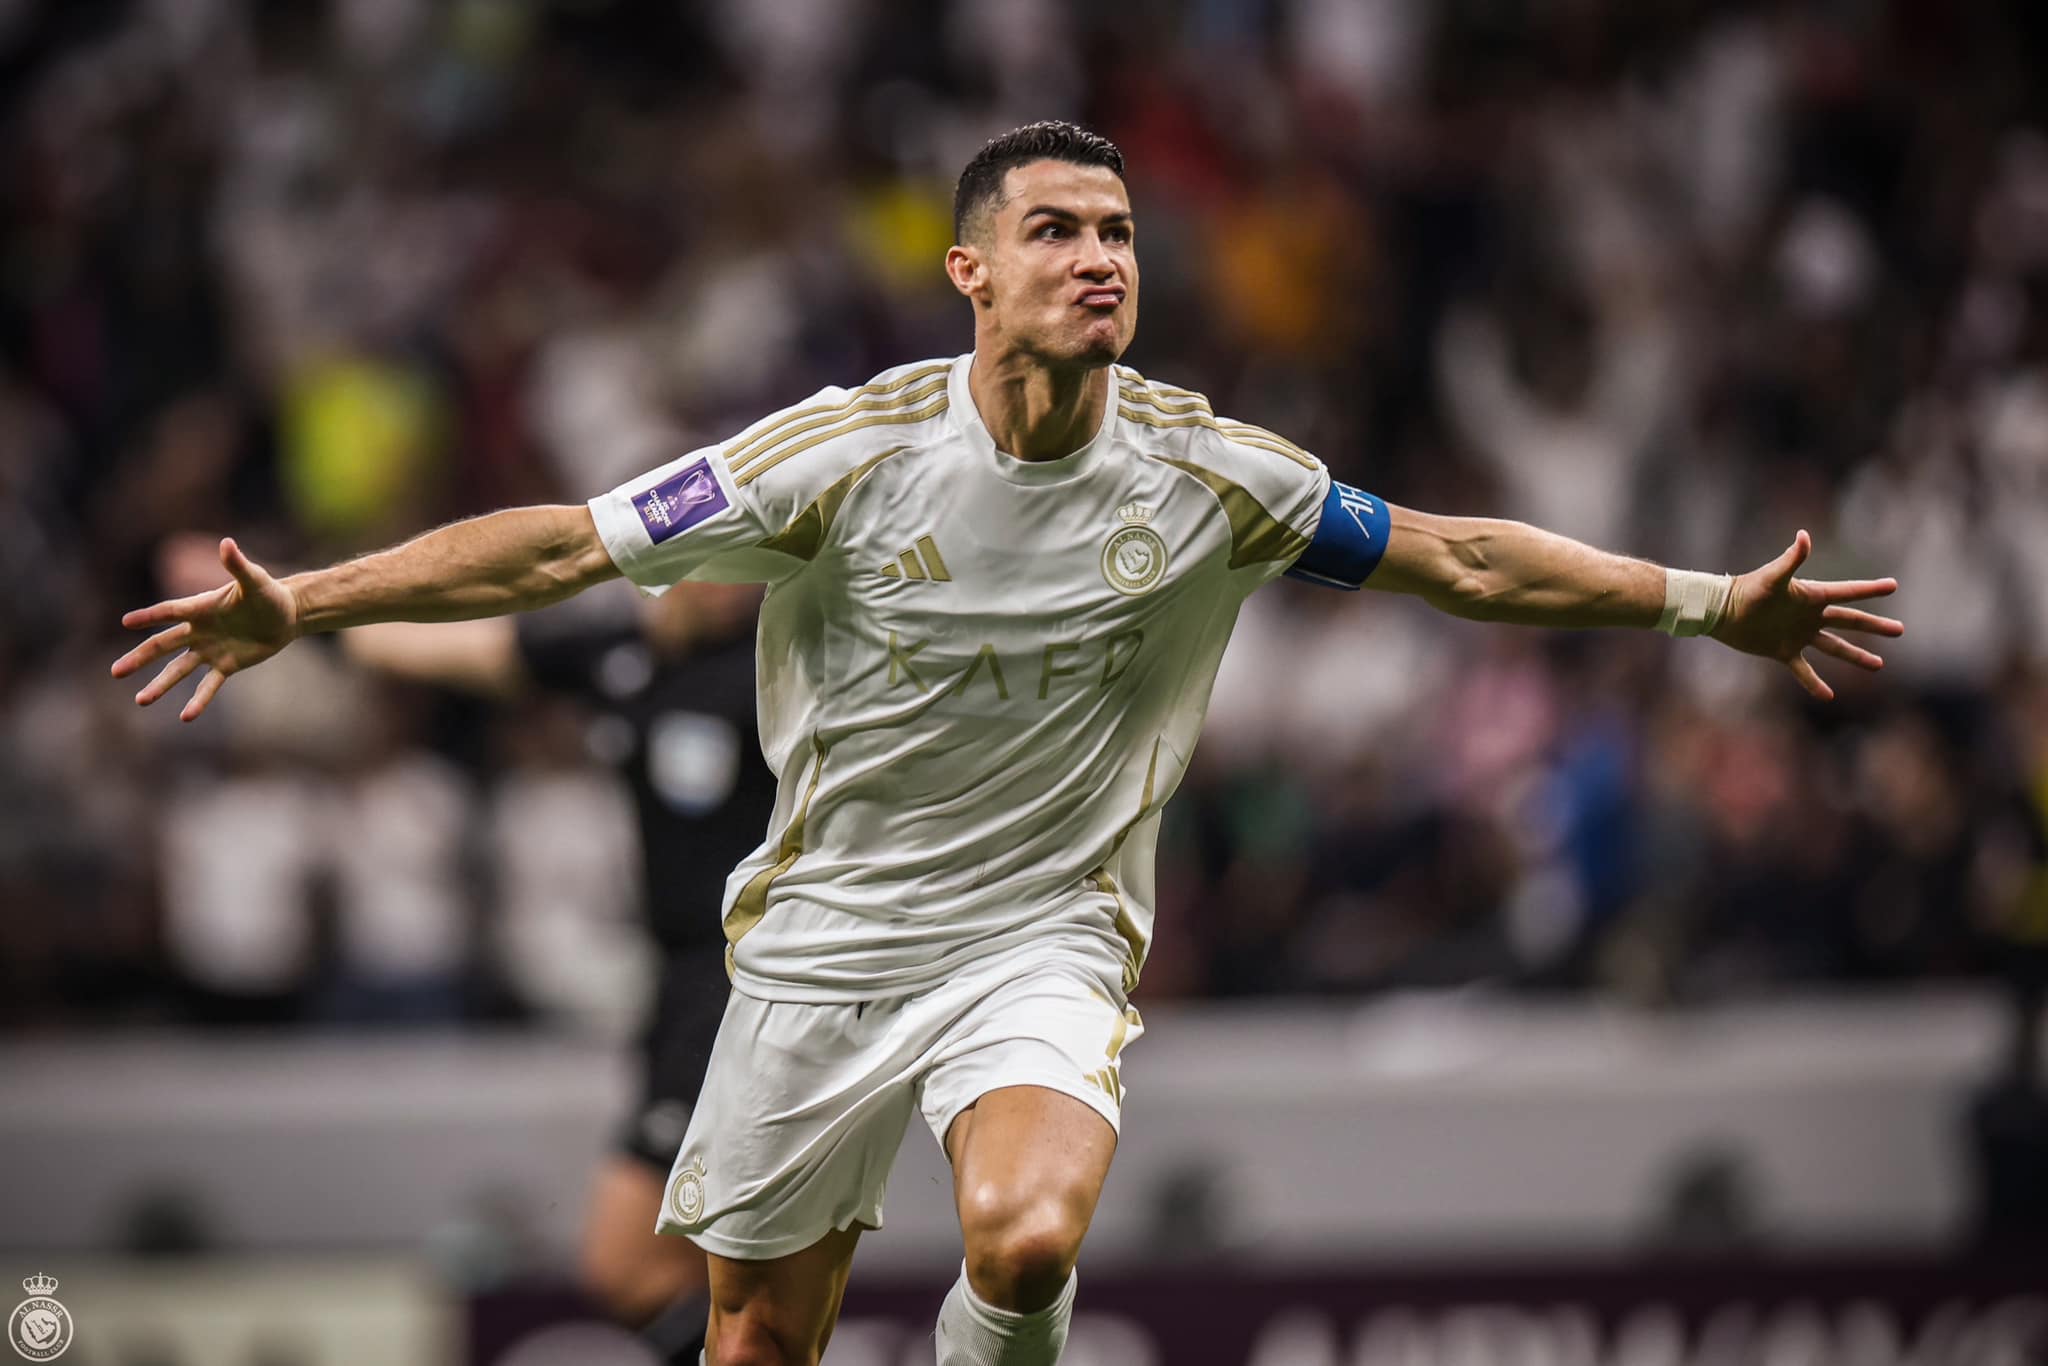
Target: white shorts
805,1105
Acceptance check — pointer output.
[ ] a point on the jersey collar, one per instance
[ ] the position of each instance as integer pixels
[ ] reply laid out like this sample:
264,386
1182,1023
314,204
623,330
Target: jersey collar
967,422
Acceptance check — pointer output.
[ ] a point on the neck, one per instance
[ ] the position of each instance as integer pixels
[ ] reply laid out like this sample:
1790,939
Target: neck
1034,411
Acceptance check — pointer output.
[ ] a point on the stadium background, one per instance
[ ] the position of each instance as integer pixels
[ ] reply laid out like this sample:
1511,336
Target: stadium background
1604,984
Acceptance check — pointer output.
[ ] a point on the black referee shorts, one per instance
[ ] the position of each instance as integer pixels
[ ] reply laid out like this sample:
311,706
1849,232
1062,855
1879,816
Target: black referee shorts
675,1048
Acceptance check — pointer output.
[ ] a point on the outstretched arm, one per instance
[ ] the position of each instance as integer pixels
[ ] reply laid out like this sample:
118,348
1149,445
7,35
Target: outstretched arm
508,561
1490,570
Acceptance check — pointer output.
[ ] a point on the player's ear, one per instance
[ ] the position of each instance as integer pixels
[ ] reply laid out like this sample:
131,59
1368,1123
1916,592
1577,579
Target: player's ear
968,271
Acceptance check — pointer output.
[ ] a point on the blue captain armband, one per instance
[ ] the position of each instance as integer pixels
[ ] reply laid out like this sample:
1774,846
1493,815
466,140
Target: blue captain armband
1351,535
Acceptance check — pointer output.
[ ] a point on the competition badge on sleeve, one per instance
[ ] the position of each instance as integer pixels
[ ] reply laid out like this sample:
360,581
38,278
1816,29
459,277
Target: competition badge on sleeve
40,1328
680,501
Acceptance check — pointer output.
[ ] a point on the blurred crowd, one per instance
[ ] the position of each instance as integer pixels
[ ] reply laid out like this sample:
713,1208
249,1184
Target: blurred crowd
1676,278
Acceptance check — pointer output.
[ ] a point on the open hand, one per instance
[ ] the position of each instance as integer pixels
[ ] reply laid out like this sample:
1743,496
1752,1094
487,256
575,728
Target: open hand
230,628
1770,613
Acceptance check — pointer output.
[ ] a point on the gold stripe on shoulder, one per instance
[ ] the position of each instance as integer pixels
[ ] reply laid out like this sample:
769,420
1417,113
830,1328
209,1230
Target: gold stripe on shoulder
1255,437
1188,403
888,417
1159,392
1164,421
1152,389
789,431
1174,391
1245,431
747,444
766,436
1197,403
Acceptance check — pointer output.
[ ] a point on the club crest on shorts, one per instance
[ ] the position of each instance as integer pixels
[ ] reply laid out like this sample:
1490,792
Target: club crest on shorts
40,1328
686,1193
1134,558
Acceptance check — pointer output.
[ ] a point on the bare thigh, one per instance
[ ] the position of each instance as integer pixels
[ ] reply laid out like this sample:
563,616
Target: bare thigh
782,1309
634,1271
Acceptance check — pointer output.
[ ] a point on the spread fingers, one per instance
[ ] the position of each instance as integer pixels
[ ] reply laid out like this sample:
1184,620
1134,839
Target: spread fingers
1809,679
174,673
156,647
1830,643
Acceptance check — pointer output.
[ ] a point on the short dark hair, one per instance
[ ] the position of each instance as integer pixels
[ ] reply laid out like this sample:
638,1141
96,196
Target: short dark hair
981,184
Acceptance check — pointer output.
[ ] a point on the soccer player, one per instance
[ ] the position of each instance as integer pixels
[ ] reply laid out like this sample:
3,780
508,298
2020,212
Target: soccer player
999,588
674,688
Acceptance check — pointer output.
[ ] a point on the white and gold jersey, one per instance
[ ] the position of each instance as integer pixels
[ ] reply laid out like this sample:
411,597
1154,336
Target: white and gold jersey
980,678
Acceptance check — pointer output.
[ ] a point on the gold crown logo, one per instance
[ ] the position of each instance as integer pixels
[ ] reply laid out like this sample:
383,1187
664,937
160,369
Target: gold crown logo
1137,514
39,1284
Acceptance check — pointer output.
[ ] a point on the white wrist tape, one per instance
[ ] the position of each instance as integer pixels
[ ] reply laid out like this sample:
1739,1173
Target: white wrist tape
1693,602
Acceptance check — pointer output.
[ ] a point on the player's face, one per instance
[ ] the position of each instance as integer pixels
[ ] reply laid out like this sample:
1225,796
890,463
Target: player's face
1062,266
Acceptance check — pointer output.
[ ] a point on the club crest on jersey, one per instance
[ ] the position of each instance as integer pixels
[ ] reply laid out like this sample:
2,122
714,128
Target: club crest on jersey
680,502
1134,558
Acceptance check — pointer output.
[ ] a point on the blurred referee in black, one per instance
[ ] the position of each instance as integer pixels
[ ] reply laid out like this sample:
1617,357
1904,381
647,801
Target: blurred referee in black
674,690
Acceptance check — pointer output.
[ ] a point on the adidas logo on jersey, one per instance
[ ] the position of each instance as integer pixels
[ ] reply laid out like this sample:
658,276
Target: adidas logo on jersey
921,562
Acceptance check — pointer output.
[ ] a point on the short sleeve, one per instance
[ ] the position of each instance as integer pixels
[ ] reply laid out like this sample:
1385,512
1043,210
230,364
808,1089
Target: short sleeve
1298,490
1273,494
687,519
734,513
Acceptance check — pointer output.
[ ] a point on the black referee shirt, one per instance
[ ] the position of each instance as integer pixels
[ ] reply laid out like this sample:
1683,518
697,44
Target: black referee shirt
683,735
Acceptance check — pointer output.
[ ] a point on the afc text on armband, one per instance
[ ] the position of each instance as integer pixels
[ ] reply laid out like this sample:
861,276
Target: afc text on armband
1098,662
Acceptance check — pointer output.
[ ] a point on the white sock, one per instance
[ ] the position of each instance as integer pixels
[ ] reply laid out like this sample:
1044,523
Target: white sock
973,1332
